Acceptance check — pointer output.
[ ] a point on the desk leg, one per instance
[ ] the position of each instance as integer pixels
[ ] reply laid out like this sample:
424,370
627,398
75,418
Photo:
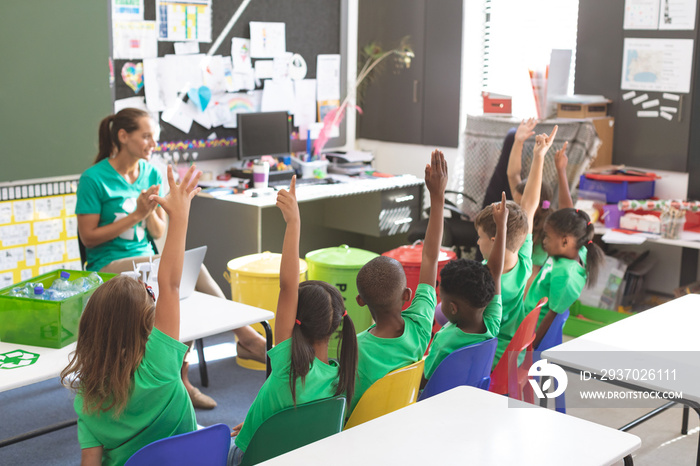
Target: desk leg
684,425
268,337
628,460
647,416
38,432
203,374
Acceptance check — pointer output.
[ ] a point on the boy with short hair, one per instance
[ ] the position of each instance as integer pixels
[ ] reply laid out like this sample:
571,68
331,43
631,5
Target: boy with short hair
518,255
471,297
400,338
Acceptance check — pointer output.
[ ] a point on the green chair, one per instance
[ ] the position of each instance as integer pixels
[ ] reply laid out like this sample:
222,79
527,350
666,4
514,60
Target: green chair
293,428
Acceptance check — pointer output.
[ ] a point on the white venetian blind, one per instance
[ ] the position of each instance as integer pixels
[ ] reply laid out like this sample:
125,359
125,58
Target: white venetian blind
519,35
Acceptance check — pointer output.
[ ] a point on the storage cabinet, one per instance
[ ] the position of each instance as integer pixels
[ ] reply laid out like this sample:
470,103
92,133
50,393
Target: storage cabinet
420,104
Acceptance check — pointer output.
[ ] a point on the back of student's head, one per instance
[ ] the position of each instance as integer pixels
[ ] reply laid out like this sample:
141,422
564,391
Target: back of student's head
517,225
112,335
577,224
320,312
542,212
469,280
127,119
381,283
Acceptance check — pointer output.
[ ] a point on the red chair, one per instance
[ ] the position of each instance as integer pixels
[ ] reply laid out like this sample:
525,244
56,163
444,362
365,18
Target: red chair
517,386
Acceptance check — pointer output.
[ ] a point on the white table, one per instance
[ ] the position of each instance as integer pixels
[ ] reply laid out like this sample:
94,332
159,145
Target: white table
467,425
664,337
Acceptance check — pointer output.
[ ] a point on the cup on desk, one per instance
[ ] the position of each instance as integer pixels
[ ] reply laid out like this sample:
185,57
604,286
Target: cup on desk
261,174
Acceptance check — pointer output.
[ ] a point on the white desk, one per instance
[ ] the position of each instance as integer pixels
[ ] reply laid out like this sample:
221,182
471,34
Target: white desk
372,214
466,425
201,315
668,337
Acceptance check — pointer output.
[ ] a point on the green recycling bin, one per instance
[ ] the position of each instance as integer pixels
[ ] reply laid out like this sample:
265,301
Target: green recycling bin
339,267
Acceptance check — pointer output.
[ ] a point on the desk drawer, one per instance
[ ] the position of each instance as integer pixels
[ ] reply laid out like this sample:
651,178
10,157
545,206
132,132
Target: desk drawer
380,213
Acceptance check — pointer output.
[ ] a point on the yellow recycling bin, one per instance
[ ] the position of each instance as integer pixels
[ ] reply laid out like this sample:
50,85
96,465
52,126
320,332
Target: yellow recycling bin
255,280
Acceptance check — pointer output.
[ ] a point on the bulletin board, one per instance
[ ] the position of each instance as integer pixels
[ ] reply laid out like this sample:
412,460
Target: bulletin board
313,27
38,228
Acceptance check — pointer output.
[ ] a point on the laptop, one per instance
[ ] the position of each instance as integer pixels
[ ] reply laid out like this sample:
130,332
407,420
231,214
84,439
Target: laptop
190,270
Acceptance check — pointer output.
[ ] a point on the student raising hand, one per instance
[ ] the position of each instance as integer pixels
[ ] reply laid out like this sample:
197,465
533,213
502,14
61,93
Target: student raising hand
496,258
436,182
525,129
289,265
561,161
543,142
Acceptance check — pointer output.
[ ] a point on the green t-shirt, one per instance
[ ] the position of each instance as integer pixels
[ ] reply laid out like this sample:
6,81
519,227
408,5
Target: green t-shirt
539,255
158,407
512,293
379,356
102,190
451,338
275,395
561,280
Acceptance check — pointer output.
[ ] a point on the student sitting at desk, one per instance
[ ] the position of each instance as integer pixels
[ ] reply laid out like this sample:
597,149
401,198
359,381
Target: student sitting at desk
117,216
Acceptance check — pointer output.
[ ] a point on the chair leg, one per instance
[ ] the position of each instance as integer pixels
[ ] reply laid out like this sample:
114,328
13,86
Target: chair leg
203,374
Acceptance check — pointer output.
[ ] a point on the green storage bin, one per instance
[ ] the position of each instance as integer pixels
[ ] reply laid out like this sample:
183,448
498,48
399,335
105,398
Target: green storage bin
51,324
584,319
339,267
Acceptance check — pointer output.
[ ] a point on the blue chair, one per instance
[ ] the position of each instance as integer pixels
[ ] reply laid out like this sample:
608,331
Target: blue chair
552,338
470,365
208,446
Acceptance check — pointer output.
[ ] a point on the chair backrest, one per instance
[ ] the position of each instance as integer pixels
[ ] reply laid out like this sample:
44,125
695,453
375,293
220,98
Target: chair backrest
470,365
295,427
395,390
523,338
208,446
553,337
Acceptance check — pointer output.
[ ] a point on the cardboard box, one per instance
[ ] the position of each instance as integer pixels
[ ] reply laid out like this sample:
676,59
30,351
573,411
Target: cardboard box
582,110
497,103
605,128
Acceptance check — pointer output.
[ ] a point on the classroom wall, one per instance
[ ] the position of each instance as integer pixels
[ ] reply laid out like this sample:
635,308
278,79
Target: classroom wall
54,86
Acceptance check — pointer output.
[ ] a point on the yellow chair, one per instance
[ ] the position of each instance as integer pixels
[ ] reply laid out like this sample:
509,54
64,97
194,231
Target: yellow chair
394,391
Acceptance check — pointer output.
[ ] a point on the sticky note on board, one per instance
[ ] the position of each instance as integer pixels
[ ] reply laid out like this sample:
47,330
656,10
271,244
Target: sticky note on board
647,114
628,95
673,97
668,109
640,99
650,103
665,115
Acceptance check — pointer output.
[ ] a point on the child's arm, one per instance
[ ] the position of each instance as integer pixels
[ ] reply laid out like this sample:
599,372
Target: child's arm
289,266
515,159
531,195
177,206
495,262
436,181
561,161
91,456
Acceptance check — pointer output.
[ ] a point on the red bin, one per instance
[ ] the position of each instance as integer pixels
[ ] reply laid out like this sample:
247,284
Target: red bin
410,257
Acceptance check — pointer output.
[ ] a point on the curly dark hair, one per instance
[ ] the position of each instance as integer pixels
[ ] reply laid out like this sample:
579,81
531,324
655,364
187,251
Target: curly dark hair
469,280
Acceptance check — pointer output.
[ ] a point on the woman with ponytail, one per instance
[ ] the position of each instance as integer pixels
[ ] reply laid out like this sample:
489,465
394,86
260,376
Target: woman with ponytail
573,263
307,315
118,216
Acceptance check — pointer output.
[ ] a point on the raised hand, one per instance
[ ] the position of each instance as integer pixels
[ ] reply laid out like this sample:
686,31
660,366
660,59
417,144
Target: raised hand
144,205
560,158
525,129
436,174
500,212
177,202
543,142
287,201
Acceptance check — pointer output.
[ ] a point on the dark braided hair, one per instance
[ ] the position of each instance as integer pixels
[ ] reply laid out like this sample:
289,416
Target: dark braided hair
577,223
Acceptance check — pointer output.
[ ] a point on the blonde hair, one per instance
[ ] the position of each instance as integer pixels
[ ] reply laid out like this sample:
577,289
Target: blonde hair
112,336
517,225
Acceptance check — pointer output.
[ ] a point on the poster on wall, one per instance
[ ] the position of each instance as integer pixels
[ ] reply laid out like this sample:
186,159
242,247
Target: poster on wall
184,20
657,65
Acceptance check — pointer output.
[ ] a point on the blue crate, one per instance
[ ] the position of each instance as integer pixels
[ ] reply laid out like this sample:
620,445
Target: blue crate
618,191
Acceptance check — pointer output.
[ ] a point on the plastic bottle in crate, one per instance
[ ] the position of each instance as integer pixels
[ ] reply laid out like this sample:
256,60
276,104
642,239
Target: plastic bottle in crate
62,283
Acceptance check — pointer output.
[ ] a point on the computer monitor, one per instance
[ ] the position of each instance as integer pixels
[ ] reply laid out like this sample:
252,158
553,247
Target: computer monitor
264,133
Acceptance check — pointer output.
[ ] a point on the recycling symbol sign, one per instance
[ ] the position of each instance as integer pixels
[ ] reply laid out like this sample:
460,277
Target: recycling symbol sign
17,358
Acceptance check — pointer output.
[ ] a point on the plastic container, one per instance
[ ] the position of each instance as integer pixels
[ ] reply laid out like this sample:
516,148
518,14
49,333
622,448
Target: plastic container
255,280
38,322
339,267
410,257
671,227
618,191
612,219
313,169
584,319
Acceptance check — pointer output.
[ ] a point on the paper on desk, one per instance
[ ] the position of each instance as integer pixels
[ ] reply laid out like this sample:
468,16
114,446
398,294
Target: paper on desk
328,77
240,54
304,105
278,95
616,237
134,39
267,40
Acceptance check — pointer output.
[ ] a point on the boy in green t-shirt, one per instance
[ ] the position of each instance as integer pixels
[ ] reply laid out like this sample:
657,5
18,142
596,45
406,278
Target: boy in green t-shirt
518,254
471,300
400,338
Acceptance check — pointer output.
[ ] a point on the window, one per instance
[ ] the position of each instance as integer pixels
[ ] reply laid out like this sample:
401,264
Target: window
519,35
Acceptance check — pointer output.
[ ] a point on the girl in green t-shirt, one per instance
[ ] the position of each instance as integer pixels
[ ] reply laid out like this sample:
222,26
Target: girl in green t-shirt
307,315
573,262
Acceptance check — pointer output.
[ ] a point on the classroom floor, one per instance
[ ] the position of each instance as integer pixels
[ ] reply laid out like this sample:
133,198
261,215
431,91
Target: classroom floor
45,403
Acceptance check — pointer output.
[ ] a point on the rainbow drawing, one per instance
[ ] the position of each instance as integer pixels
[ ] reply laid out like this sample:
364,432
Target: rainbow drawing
241,104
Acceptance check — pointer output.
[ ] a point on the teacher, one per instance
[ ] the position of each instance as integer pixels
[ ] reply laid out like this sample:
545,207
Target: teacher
117,220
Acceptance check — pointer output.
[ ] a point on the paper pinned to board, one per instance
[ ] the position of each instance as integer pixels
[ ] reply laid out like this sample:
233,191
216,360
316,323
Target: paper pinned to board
278,95
134,39
267,39
328,77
